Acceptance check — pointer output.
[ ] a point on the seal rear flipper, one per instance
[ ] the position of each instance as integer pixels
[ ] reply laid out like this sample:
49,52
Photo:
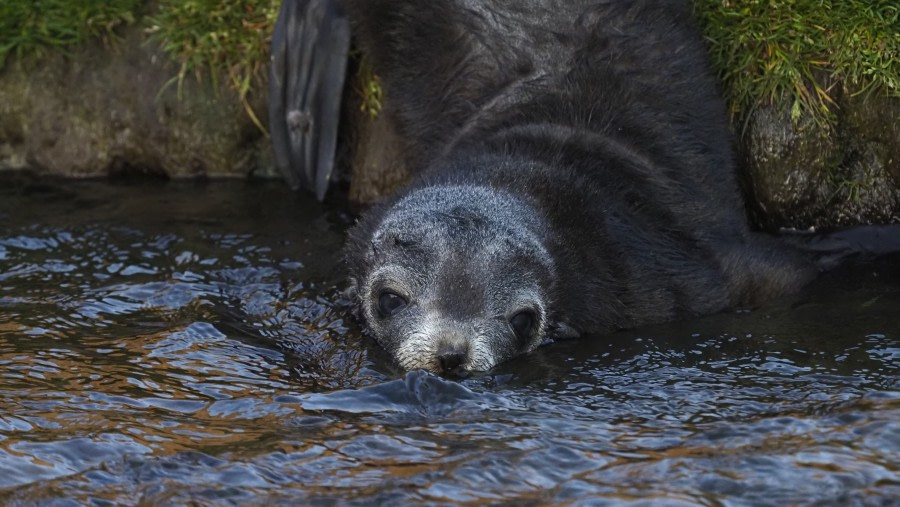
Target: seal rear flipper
306,79
830,250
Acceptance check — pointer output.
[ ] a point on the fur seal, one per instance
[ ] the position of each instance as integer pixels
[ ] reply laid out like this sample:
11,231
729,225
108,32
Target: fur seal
575,176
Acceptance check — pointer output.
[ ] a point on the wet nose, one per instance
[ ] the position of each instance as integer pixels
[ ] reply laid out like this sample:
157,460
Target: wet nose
451,356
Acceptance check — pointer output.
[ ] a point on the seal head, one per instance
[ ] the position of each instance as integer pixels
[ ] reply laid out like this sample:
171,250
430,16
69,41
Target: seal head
454,278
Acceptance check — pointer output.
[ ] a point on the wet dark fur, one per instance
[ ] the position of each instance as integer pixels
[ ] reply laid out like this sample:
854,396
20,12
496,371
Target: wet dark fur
602,115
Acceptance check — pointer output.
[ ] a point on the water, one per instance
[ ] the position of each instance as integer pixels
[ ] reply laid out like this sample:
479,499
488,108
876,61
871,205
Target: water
190,344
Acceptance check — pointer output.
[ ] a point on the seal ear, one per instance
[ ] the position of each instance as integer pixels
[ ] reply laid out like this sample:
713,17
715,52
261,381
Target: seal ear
561,331
351,292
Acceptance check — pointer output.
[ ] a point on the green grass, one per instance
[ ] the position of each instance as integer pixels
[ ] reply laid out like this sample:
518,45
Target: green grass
34,27
368,88
227,40
795,53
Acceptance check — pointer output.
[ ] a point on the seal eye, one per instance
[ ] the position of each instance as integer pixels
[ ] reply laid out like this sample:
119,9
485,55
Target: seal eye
523,323
389,303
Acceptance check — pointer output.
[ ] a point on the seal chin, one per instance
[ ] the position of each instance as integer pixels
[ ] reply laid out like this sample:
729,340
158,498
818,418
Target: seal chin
445,354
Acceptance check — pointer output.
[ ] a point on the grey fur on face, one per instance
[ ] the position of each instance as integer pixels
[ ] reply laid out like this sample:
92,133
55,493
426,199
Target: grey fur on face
451,271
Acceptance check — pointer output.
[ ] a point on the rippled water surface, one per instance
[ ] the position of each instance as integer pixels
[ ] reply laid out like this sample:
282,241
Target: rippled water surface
190,344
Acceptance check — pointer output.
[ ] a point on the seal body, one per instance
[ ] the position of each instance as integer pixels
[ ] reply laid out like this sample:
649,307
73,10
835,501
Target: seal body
575,176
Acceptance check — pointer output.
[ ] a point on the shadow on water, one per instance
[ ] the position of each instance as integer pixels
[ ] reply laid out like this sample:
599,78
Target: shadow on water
183,343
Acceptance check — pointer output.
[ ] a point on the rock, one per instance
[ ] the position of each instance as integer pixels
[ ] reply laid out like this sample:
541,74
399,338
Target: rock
377,164
802,174
106,110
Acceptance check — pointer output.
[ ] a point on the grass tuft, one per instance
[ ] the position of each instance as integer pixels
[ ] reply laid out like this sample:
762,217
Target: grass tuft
33,28
227,40
368,89
792,53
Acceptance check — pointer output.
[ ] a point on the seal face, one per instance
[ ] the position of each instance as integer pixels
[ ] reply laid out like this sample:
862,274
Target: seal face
455,278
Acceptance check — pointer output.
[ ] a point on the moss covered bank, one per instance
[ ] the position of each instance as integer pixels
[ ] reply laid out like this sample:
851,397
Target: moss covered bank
174,88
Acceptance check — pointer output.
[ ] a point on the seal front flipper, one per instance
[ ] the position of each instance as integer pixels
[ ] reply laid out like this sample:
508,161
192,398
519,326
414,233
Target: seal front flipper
306,78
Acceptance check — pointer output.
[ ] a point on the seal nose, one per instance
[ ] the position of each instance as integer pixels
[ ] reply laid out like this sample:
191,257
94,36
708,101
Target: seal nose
452,355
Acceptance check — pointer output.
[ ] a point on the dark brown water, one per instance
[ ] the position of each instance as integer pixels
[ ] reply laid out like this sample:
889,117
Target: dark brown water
189,344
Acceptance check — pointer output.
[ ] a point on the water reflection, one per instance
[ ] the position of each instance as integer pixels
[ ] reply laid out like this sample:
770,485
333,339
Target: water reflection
191,344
